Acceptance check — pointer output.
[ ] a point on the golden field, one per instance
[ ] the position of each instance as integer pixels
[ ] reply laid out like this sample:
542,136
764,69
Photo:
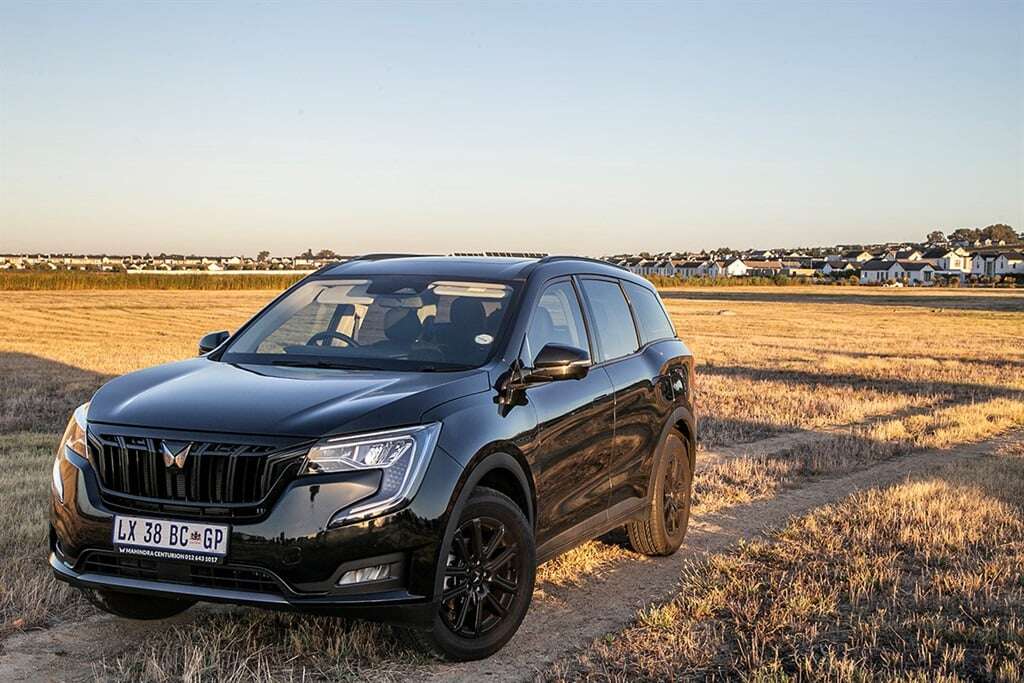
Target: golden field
922,581
871,374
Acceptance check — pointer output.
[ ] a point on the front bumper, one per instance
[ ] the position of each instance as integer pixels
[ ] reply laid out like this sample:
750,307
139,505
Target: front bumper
297,557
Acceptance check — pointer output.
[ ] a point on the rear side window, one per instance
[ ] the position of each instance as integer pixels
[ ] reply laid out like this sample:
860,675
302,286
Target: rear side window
557,320
650,314
613,325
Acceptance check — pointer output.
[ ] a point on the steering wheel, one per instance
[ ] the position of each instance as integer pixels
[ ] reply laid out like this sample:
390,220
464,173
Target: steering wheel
321,338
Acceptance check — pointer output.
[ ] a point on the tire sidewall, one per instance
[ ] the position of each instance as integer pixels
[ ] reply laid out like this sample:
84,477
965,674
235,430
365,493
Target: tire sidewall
488,503
657,502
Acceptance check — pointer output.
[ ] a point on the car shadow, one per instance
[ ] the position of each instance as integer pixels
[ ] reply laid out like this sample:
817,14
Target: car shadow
39,394
998,363
966,391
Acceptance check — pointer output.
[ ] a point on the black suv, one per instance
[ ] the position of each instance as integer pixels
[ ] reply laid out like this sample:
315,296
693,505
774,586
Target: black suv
394,438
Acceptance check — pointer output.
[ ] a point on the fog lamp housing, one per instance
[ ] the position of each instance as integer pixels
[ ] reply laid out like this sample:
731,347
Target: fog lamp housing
377,572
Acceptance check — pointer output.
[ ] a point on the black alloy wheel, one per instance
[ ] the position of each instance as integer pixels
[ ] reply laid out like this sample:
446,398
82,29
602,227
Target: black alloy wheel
673,506
484,577
481,578
663,526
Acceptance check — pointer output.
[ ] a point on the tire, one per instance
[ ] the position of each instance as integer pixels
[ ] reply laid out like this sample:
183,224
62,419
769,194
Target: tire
135,606
663,528
487,580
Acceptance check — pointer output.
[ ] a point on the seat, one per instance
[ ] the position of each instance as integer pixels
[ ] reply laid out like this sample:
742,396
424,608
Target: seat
401,327
468,319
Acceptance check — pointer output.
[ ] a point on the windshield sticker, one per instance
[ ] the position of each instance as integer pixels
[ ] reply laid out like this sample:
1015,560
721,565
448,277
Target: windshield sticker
483,339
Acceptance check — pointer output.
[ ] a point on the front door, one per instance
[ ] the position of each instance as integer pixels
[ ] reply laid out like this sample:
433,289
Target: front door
639,405
575,421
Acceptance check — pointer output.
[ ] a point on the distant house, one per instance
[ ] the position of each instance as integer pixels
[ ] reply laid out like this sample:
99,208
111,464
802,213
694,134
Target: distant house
693,268
948,261
717,269
1010,263
878,271
983,264
840,268
910,254
918,272
797,268
988,264
859,255
761,268
734,267
665,267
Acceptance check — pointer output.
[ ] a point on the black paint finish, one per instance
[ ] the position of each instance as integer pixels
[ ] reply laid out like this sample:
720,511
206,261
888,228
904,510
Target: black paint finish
575,453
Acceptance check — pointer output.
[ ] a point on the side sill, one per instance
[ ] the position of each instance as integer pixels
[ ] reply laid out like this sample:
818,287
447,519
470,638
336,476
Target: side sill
599,524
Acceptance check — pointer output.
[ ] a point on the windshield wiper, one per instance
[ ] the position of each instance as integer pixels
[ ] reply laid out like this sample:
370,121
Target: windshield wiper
319,363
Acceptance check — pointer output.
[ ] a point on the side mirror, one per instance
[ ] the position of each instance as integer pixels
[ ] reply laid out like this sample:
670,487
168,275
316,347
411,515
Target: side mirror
558,361
212,340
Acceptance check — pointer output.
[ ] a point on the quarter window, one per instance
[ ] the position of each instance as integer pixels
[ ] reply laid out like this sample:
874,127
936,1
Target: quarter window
557,320
650,315
613,324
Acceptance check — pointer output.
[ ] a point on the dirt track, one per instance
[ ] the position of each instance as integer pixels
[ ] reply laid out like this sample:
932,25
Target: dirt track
564,620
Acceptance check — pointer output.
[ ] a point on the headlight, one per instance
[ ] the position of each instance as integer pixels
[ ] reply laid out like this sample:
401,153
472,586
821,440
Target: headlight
401,454
75,439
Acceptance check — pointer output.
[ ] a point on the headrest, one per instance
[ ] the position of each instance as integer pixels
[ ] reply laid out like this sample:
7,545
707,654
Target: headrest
401,324
468,312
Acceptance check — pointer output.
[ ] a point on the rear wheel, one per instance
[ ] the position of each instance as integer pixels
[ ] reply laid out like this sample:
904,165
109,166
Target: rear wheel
487,586
662,529
136,606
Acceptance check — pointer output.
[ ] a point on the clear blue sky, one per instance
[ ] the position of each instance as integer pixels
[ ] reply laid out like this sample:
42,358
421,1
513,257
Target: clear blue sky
588,128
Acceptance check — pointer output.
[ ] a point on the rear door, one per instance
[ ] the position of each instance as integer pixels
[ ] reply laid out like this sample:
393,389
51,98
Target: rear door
640,406
575,422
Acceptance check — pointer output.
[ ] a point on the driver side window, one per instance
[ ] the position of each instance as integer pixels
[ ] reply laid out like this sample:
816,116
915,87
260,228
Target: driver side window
558,319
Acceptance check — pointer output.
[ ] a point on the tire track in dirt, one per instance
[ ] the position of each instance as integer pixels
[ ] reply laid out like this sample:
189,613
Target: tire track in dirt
564,620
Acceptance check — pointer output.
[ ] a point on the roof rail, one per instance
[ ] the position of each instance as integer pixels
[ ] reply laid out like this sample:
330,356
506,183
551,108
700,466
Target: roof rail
384,256
549,259
325,267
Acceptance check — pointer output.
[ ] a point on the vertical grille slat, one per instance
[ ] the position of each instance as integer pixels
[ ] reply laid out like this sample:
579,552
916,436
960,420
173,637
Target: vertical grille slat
150,469
197,465
213,474
229,479
123,451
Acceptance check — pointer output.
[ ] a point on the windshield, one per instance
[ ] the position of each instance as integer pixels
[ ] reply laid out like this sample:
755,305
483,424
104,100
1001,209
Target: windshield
392,322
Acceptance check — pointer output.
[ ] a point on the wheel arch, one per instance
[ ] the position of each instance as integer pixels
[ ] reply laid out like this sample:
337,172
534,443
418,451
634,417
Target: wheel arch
503,467
681,420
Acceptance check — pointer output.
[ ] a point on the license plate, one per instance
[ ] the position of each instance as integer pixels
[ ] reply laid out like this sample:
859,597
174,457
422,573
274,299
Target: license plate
164,539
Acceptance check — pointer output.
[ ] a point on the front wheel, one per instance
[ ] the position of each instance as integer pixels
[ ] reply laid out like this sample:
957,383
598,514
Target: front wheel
487,586
663,527
134,606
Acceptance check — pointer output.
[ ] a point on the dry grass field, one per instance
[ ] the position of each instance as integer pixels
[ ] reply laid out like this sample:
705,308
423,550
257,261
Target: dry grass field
872,374
923,581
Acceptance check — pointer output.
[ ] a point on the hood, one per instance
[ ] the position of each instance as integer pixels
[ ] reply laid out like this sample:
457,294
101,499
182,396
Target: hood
200,394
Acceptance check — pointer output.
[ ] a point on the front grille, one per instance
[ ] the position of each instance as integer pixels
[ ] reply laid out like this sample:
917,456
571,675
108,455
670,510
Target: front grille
249,579
217,478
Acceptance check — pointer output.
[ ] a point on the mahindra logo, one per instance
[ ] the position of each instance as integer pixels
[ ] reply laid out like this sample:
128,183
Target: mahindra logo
175,453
